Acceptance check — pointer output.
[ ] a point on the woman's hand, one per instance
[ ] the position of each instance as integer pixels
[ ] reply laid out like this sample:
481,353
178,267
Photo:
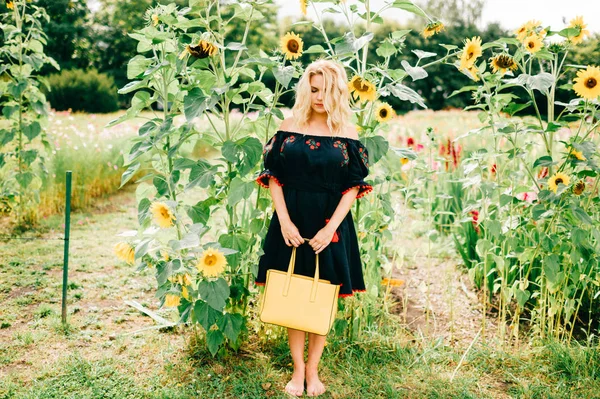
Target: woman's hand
322,239
290,234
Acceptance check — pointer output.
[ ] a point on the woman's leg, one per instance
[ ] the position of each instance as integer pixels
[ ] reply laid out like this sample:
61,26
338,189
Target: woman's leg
296,340
316,343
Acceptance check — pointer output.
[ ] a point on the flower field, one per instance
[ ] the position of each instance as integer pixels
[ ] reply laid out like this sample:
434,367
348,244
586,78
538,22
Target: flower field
479,238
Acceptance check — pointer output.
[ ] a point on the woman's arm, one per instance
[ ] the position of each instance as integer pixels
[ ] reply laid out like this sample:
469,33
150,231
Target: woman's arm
320,241
289,231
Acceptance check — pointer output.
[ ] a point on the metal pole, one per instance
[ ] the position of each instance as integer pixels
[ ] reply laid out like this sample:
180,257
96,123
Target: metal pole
66,255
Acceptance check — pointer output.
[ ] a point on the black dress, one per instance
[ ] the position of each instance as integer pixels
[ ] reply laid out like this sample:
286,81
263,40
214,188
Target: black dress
315,171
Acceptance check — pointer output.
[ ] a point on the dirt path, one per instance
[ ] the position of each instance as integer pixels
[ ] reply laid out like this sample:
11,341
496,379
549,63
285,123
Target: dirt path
437,298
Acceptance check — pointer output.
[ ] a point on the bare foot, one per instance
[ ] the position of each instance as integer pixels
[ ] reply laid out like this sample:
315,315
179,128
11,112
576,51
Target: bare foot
314,386
296,385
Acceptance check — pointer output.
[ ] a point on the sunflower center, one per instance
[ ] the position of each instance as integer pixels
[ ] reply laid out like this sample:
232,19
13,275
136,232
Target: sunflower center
504,61
359,86
591,83
383,113
558,180
210,260
471,55
293,46
164,213
531,44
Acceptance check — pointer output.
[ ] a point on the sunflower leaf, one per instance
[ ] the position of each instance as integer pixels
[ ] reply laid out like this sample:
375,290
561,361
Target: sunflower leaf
283,74
404,93
415,73
551,266
423,54
204,314
409,6
214,339
542,81
580,214
546,160
215,293
128,174
231,325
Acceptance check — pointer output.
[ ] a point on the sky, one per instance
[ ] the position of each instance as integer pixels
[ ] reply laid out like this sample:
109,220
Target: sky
509,13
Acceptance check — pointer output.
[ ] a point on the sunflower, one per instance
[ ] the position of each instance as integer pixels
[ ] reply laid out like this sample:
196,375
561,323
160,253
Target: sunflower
404,161
203,49
162,214
361,89
533,43
579,187
578,23
154,19
303,6
212,262
473,73
557,179
10,5
172,300
527,27
432,28
291,46
384,112
125,252
503,62
587,83
165,255
392,282
578,155
185,293
471,52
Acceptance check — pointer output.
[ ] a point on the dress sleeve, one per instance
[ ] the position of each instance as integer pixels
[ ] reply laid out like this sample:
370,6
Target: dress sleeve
358,169
272,166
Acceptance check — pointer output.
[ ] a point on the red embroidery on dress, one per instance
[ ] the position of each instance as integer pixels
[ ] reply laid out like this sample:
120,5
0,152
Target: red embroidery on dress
269,146
335,238
289,139
343,147
313,144
363,156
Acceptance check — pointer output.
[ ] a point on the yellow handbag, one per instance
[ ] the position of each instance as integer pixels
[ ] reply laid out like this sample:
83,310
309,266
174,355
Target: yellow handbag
299,302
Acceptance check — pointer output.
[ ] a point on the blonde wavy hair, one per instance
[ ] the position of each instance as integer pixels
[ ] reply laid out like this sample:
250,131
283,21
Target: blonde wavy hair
336,96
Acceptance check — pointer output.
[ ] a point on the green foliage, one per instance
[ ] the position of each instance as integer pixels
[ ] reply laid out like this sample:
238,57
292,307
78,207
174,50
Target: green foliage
67,30
537,252
24,108
79,90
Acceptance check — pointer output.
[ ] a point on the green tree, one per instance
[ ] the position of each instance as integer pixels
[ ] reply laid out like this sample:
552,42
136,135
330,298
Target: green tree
68,33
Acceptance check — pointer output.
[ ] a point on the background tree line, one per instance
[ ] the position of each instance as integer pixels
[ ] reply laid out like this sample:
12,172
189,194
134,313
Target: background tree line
93,49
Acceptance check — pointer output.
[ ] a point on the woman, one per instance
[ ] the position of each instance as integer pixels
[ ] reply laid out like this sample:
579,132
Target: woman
314,167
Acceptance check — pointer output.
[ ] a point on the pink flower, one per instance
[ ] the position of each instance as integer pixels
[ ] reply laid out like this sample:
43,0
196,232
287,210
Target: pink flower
528,196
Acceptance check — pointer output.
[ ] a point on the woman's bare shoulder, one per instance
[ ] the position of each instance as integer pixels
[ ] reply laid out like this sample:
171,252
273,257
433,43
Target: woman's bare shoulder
352,132
288,124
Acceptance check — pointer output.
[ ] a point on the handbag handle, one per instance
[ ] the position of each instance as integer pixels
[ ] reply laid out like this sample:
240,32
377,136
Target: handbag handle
290,271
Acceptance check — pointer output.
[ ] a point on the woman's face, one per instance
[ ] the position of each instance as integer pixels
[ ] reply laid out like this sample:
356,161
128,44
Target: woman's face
316,96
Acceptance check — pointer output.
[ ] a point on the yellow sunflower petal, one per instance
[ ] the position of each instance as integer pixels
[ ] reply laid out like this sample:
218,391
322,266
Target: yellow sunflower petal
577,22
555,180
587,83
361,89
172,300
533,43
212,262
291,46
162,214
384,112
